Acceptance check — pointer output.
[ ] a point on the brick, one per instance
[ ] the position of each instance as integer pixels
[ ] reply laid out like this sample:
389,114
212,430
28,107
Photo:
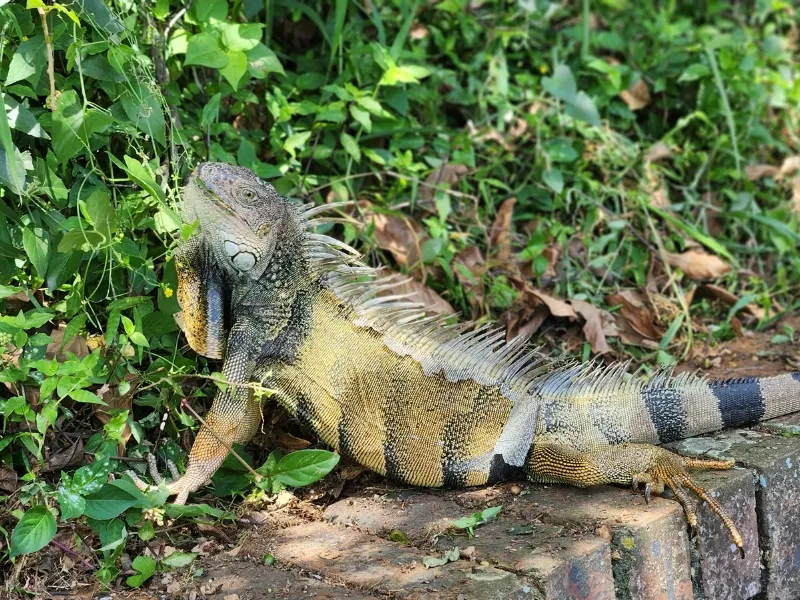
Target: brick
776,461
365,562
225,576
723,573
563,562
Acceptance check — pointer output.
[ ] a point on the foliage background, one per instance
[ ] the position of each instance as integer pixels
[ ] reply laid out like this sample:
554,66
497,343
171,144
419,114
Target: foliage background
582,172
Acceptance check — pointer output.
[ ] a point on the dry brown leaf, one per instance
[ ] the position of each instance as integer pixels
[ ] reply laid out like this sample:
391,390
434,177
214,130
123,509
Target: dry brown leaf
658,151
471,260
697,264
493,135
709,290
637,96
421,293
635,311
796,195
518,128
598,324
659,198
290,442
70,457
756,172
403,238
77,345
557,307
8,480
113,399
442,178
418,31
791,165
500,235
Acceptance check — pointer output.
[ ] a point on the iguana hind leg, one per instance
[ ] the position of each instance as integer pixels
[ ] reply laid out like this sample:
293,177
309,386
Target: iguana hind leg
656,468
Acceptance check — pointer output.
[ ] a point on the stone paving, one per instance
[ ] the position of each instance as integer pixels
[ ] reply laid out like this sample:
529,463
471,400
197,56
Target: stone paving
548,543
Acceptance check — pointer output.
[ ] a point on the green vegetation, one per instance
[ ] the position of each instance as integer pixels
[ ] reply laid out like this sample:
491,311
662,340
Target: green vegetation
495,150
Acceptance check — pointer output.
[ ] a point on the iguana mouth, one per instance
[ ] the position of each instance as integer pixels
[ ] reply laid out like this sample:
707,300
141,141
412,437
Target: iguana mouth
198,193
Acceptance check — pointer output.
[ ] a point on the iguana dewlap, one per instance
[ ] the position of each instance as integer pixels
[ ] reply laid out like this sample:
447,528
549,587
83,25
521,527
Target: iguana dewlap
405,394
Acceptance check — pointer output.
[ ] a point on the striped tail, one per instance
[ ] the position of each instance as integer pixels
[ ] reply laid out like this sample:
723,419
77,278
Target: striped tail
707,406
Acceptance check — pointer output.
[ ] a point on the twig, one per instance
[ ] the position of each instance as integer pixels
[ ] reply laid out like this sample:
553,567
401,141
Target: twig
72,552
50,66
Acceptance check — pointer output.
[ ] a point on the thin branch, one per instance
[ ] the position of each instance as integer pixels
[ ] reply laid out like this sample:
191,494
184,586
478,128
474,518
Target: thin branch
50,66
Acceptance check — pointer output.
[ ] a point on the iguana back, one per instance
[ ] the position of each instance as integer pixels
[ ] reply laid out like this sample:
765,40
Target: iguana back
411,396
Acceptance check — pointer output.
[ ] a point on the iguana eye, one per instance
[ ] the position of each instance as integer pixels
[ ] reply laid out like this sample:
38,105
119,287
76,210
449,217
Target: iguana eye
249,194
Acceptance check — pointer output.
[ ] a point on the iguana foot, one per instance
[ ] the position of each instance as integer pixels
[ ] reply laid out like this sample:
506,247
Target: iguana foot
180,486
636,464
668,470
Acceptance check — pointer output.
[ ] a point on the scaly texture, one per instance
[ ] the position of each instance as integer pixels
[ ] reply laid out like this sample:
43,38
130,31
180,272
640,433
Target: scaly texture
416,398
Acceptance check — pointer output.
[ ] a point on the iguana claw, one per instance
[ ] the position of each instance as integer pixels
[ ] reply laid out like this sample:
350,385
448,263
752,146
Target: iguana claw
176,487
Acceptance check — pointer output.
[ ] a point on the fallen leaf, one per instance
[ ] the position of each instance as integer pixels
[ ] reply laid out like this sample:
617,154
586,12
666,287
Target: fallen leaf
790,165
418,31
756,172
659,198
77,345
598,324
70,457
637,96
403,238
290,442
8,480
500,235
441,178
709,290
421,293
469,268
697,264
557,307
635,311
113,400
796,195
658,151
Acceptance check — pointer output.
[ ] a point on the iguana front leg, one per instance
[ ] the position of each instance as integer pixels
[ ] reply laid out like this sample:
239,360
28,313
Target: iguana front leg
554,461
234,418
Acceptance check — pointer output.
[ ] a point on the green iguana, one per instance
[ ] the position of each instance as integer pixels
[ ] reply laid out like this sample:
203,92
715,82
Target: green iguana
405,394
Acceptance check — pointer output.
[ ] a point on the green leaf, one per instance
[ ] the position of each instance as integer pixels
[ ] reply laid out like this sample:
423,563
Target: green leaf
351,146
87,397
211,110
405,74
33,532
304,467
560,150
584,109
178,560
695,72
235,68
145,567
173,511
37,247
109,502
90,478
111,532
554,180
102,213
362,117
261,61
71,503
142,106
73,125
562,84
28,61
296,141
211,9
203,49
240,36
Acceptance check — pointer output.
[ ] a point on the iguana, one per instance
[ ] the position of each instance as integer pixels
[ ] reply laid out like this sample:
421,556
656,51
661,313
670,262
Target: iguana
408,395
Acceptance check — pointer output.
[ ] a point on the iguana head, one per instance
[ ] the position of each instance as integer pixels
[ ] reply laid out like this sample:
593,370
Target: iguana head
243,217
